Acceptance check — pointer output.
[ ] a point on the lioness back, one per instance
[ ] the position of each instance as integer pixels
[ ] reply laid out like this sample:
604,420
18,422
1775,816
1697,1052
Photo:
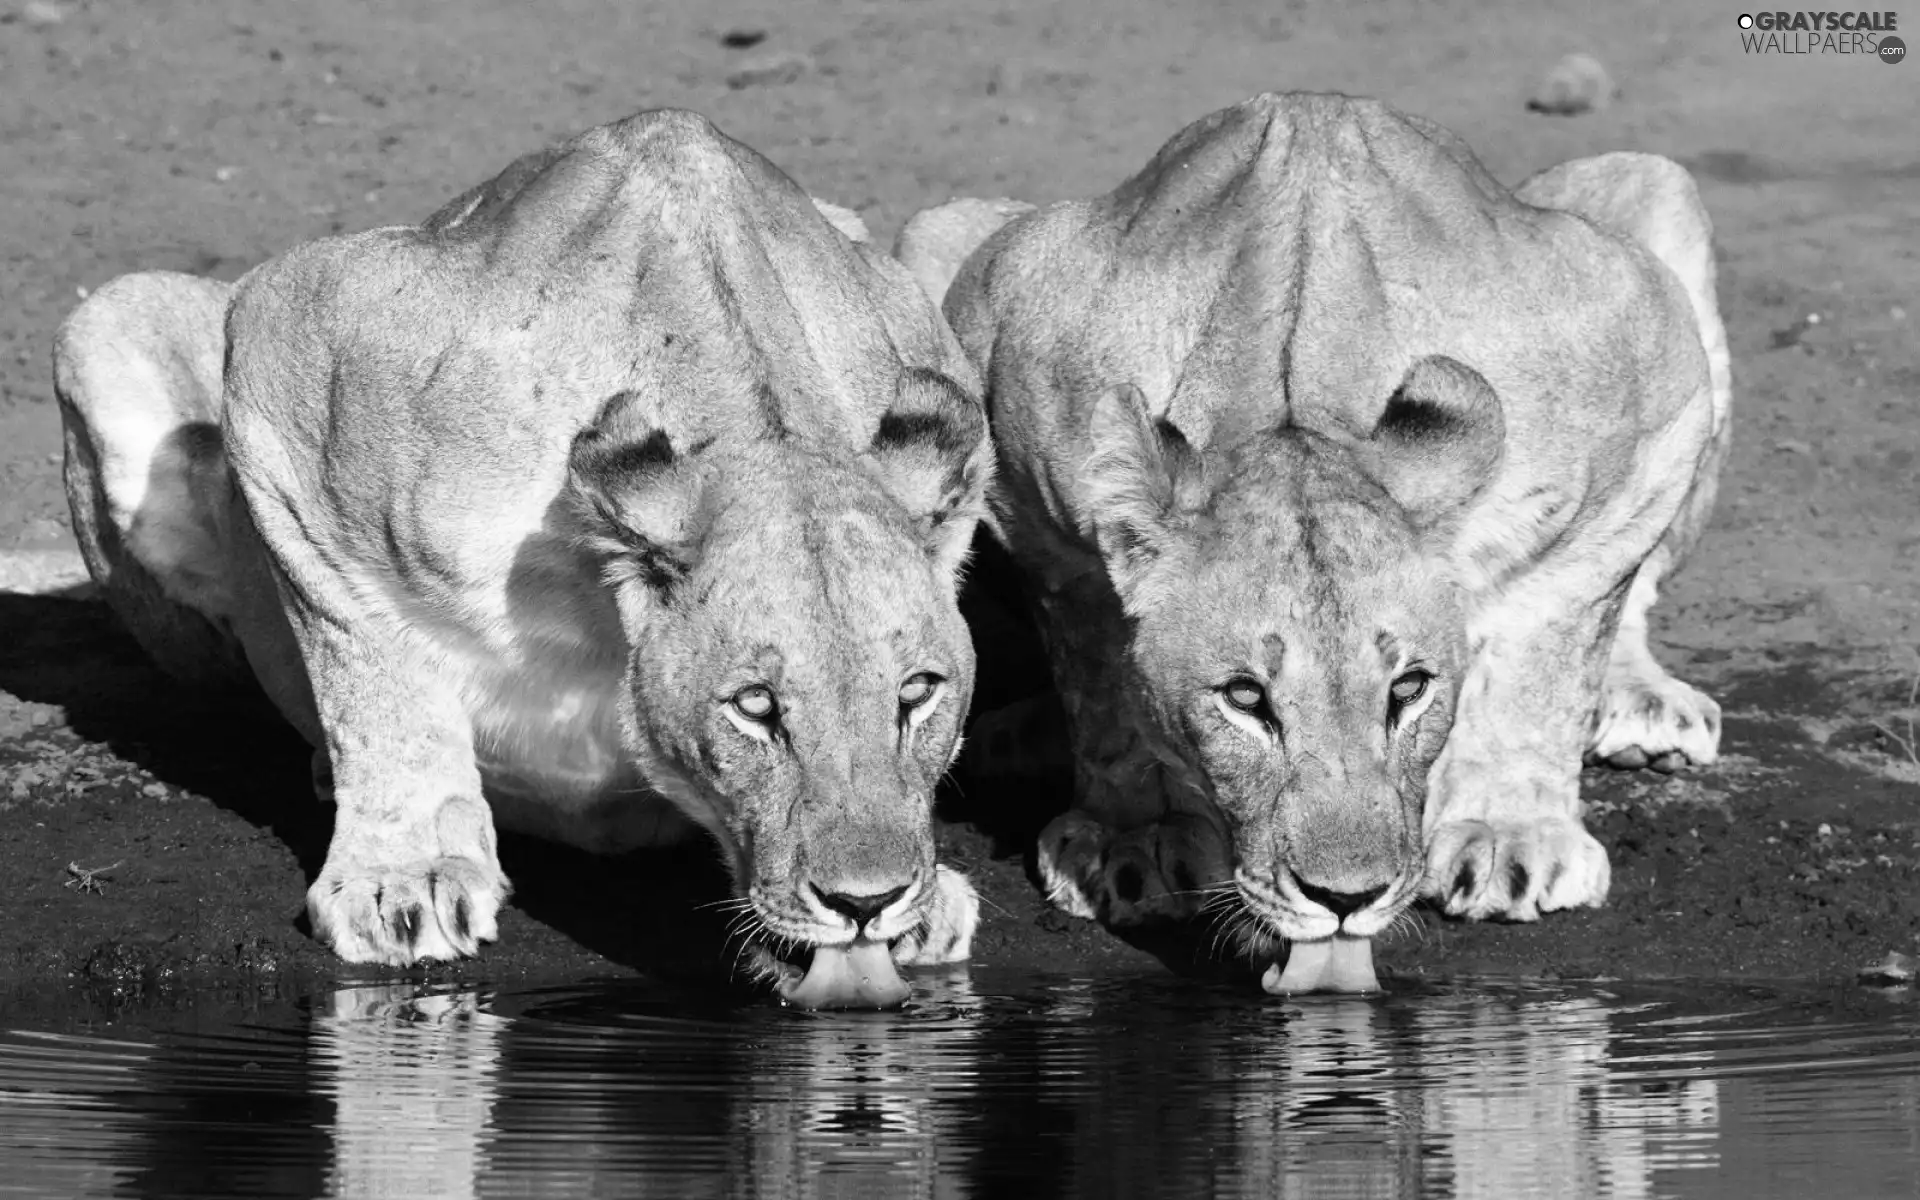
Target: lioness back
1376,215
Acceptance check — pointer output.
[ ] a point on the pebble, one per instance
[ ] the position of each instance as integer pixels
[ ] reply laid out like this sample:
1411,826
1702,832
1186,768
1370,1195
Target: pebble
769,70
1895,969
1576,84
40,14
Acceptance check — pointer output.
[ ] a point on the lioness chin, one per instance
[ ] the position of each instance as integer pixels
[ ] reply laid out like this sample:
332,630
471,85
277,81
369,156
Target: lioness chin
621,499
1343,478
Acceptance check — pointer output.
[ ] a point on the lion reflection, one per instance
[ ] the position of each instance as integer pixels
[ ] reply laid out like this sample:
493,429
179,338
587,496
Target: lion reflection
1079,1089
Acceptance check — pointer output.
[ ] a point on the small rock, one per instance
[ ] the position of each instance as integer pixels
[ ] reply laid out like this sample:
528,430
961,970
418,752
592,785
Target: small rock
1897,313
769,70
1574,85
42,13
1895,970
742,39
1055,921
225,174
1791,335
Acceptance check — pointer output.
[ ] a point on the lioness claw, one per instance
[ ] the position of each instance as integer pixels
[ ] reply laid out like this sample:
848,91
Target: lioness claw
1516,871
439,909
1163,871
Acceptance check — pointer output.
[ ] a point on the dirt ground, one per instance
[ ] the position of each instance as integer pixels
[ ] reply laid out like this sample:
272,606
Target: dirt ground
205,136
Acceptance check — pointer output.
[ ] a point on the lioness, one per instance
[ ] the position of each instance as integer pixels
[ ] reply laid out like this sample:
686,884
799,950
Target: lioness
1343,475
626,492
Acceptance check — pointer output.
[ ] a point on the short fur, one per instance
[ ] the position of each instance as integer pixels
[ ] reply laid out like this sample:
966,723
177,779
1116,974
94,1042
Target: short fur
1312,401
503,510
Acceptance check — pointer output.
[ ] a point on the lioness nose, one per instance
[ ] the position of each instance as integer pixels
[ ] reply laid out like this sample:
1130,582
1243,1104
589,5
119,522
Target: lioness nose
1340,904
860,909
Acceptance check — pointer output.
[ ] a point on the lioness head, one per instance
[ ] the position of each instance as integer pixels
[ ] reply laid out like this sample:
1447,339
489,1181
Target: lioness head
799,668
1296,623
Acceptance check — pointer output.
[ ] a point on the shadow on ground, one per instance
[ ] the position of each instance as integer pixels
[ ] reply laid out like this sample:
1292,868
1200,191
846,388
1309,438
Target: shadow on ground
207,802
1797,856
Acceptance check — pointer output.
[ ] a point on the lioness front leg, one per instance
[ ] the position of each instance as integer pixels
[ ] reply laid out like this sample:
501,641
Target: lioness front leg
1647,717
945,933
1503,828
1142,841
412,871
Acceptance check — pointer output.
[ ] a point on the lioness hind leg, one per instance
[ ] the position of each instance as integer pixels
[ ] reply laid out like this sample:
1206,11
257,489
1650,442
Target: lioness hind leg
137,375
1646,717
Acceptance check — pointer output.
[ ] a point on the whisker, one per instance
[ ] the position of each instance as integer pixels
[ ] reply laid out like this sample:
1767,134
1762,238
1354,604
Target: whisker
999,908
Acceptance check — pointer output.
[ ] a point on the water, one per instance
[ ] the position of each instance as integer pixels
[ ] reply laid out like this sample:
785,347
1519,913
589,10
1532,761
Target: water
988,1086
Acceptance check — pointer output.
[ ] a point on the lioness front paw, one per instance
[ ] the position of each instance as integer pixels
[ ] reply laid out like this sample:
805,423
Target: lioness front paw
1515,871
1161,871
439,908
946,935
1650,719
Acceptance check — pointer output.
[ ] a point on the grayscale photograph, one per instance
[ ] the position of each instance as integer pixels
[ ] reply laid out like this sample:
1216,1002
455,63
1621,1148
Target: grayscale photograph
878,598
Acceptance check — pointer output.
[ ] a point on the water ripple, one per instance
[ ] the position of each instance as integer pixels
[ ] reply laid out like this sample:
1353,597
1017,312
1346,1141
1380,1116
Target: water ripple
987,1086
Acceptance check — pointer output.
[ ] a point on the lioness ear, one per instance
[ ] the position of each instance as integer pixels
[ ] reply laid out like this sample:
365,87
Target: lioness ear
932,454
935,241
1653,201
638,499
1439,441
1140,480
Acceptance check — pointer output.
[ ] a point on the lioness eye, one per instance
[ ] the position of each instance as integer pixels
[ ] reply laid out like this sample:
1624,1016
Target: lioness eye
1409,687
756,702
918,689
1246,695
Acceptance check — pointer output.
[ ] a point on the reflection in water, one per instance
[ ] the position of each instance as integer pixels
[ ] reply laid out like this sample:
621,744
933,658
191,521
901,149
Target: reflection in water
1587,1131
986,1087
413,1080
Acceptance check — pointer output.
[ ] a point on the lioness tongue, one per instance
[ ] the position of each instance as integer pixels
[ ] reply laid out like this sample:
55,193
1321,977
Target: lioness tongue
1335,964
861,975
